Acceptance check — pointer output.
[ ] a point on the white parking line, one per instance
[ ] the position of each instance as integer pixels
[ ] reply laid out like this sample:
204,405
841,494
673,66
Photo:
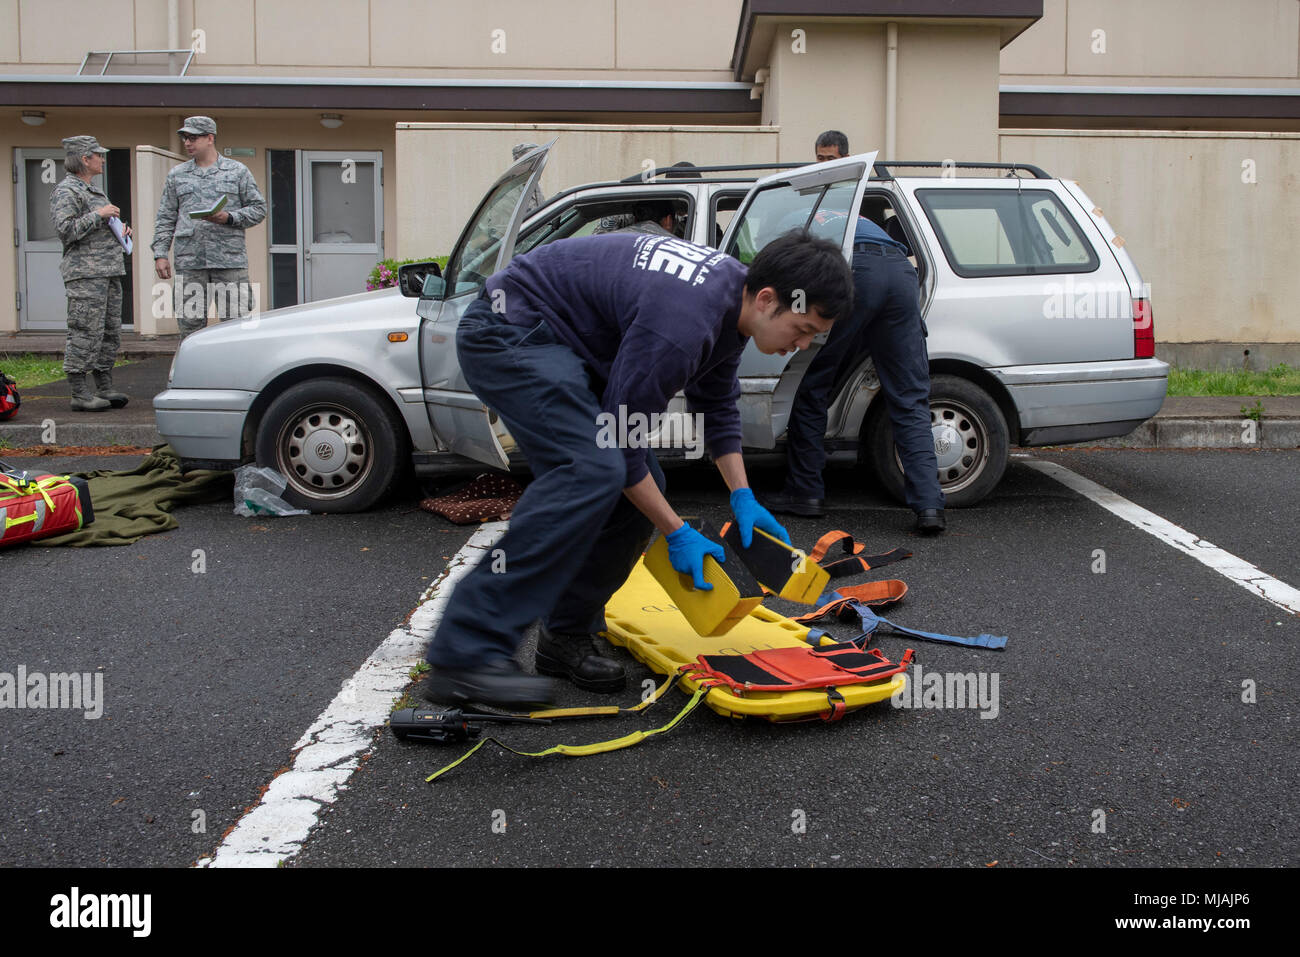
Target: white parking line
333,747
1225,563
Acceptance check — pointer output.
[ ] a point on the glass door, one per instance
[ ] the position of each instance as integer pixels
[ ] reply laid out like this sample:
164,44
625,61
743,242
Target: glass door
342,221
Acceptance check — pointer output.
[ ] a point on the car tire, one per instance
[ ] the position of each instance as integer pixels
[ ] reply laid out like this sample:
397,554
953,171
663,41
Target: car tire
976,442
333,441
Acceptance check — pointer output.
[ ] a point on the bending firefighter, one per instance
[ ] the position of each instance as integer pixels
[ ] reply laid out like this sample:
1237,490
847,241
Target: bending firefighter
579,331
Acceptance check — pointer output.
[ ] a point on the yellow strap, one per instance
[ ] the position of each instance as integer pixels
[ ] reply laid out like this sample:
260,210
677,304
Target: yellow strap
582,750
605,710
37,486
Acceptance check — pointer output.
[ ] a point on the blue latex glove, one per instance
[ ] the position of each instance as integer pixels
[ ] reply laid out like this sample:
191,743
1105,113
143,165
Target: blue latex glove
686,551
750,515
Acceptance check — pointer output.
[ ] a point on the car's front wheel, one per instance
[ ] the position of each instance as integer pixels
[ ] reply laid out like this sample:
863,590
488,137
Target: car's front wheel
333,441
971,442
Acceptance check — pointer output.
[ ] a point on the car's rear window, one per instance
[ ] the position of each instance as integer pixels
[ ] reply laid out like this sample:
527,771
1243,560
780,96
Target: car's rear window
1005,232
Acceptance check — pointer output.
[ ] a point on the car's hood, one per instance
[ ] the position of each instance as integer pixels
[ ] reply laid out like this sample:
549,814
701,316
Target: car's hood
390,299
246,353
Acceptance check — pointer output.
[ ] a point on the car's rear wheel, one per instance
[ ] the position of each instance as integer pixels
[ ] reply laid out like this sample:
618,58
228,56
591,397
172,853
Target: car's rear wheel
971,442
333,441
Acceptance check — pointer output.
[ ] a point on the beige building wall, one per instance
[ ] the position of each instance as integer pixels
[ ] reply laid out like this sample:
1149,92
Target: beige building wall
154,312
833,77
1159,43
669,39
947,92
1209,218
437,197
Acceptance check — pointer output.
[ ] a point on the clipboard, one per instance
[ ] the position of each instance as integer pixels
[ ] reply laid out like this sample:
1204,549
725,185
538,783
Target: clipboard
119,231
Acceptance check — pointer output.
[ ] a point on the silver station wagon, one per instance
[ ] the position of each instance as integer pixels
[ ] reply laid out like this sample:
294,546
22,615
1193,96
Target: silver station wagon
1039,331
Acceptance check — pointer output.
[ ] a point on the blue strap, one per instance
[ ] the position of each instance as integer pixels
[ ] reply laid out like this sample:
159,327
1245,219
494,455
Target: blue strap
870,621
994,642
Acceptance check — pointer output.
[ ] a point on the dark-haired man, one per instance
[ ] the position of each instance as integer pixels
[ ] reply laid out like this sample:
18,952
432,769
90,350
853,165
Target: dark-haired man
886,319
601,329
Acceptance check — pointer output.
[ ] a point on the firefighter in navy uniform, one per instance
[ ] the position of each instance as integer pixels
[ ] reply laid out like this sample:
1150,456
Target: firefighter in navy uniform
585,328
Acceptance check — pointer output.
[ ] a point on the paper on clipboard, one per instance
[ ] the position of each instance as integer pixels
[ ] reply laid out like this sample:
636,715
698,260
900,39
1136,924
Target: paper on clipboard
119,231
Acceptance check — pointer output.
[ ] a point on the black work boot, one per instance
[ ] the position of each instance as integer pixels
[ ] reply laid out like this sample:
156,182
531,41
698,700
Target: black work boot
83,400
808,507
104,389
930,521
499,683
578,658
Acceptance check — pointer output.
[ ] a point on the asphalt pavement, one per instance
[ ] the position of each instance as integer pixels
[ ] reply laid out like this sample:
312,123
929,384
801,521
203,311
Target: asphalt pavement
1144,713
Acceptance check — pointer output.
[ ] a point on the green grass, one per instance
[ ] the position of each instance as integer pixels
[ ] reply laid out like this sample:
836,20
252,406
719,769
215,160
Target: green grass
30,369
1279,380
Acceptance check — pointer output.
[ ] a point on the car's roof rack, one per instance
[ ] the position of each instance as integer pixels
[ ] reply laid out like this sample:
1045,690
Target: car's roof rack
690,172
880,171
882,168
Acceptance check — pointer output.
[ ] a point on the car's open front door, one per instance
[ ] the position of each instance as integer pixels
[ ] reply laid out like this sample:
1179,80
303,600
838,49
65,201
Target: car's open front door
824,198
459,419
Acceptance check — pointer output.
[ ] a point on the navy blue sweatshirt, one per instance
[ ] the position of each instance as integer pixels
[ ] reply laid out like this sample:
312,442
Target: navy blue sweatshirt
649,315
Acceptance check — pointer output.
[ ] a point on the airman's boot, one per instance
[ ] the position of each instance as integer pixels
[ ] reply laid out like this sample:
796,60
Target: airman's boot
578,658
83,400
104,390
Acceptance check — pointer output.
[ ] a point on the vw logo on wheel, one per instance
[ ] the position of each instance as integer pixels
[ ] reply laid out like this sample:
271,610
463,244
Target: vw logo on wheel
941,445
324,451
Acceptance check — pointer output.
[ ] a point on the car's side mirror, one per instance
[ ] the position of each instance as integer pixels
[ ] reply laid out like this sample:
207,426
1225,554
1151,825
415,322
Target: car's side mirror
411,278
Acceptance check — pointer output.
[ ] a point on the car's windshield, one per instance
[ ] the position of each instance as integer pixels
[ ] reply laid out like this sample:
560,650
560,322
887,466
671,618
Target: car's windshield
476,257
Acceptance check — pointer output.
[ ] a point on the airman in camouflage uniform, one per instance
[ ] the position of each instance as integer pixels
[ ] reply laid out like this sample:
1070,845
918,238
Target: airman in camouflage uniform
92,261
211,262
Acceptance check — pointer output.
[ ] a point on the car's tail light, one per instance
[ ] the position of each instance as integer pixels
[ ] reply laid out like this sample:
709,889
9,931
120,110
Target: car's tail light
1144,330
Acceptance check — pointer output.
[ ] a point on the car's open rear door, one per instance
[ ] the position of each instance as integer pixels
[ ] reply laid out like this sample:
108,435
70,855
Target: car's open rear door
459,419
824,198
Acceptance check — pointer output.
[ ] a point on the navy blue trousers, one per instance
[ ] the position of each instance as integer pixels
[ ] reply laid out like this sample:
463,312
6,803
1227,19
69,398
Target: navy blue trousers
886,322
573,537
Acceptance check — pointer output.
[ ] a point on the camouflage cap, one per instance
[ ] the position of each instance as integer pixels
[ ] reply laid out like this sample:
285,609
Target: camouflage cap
199,126
82,146
521,149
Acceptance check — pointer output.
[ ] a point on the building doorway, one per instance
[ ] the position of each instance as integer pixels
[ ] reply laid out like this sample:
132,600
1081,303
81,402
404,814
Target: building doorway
326,223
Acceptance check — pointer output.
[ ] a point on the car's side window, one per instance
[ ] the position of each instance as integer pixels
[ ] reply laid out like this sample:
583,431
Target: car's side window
1004,232
595,217
725,206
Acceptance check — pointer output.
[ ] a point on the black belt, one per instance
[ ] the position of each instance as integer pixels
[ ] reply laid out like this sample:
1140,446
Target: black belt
878,249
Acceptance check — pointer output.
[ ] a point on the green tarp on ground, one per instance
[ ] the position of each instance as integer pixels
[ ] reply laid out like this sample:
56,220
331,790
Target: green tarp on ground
130,505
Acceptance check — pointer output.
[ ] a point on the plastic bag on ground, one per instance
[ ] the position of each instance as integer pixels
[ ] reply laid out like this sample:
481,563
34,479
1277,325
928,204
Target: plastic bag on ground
259,491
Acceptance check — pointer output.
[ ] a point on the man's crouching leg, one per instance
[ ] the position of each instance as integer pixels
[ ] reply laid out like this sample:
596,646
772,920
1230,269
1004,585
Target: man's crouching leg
539,389
569,643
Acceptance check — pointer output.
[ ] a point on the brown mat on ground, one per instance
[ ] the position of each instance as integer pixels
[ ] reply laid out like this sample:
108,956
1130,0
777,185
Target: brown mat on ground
487,497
